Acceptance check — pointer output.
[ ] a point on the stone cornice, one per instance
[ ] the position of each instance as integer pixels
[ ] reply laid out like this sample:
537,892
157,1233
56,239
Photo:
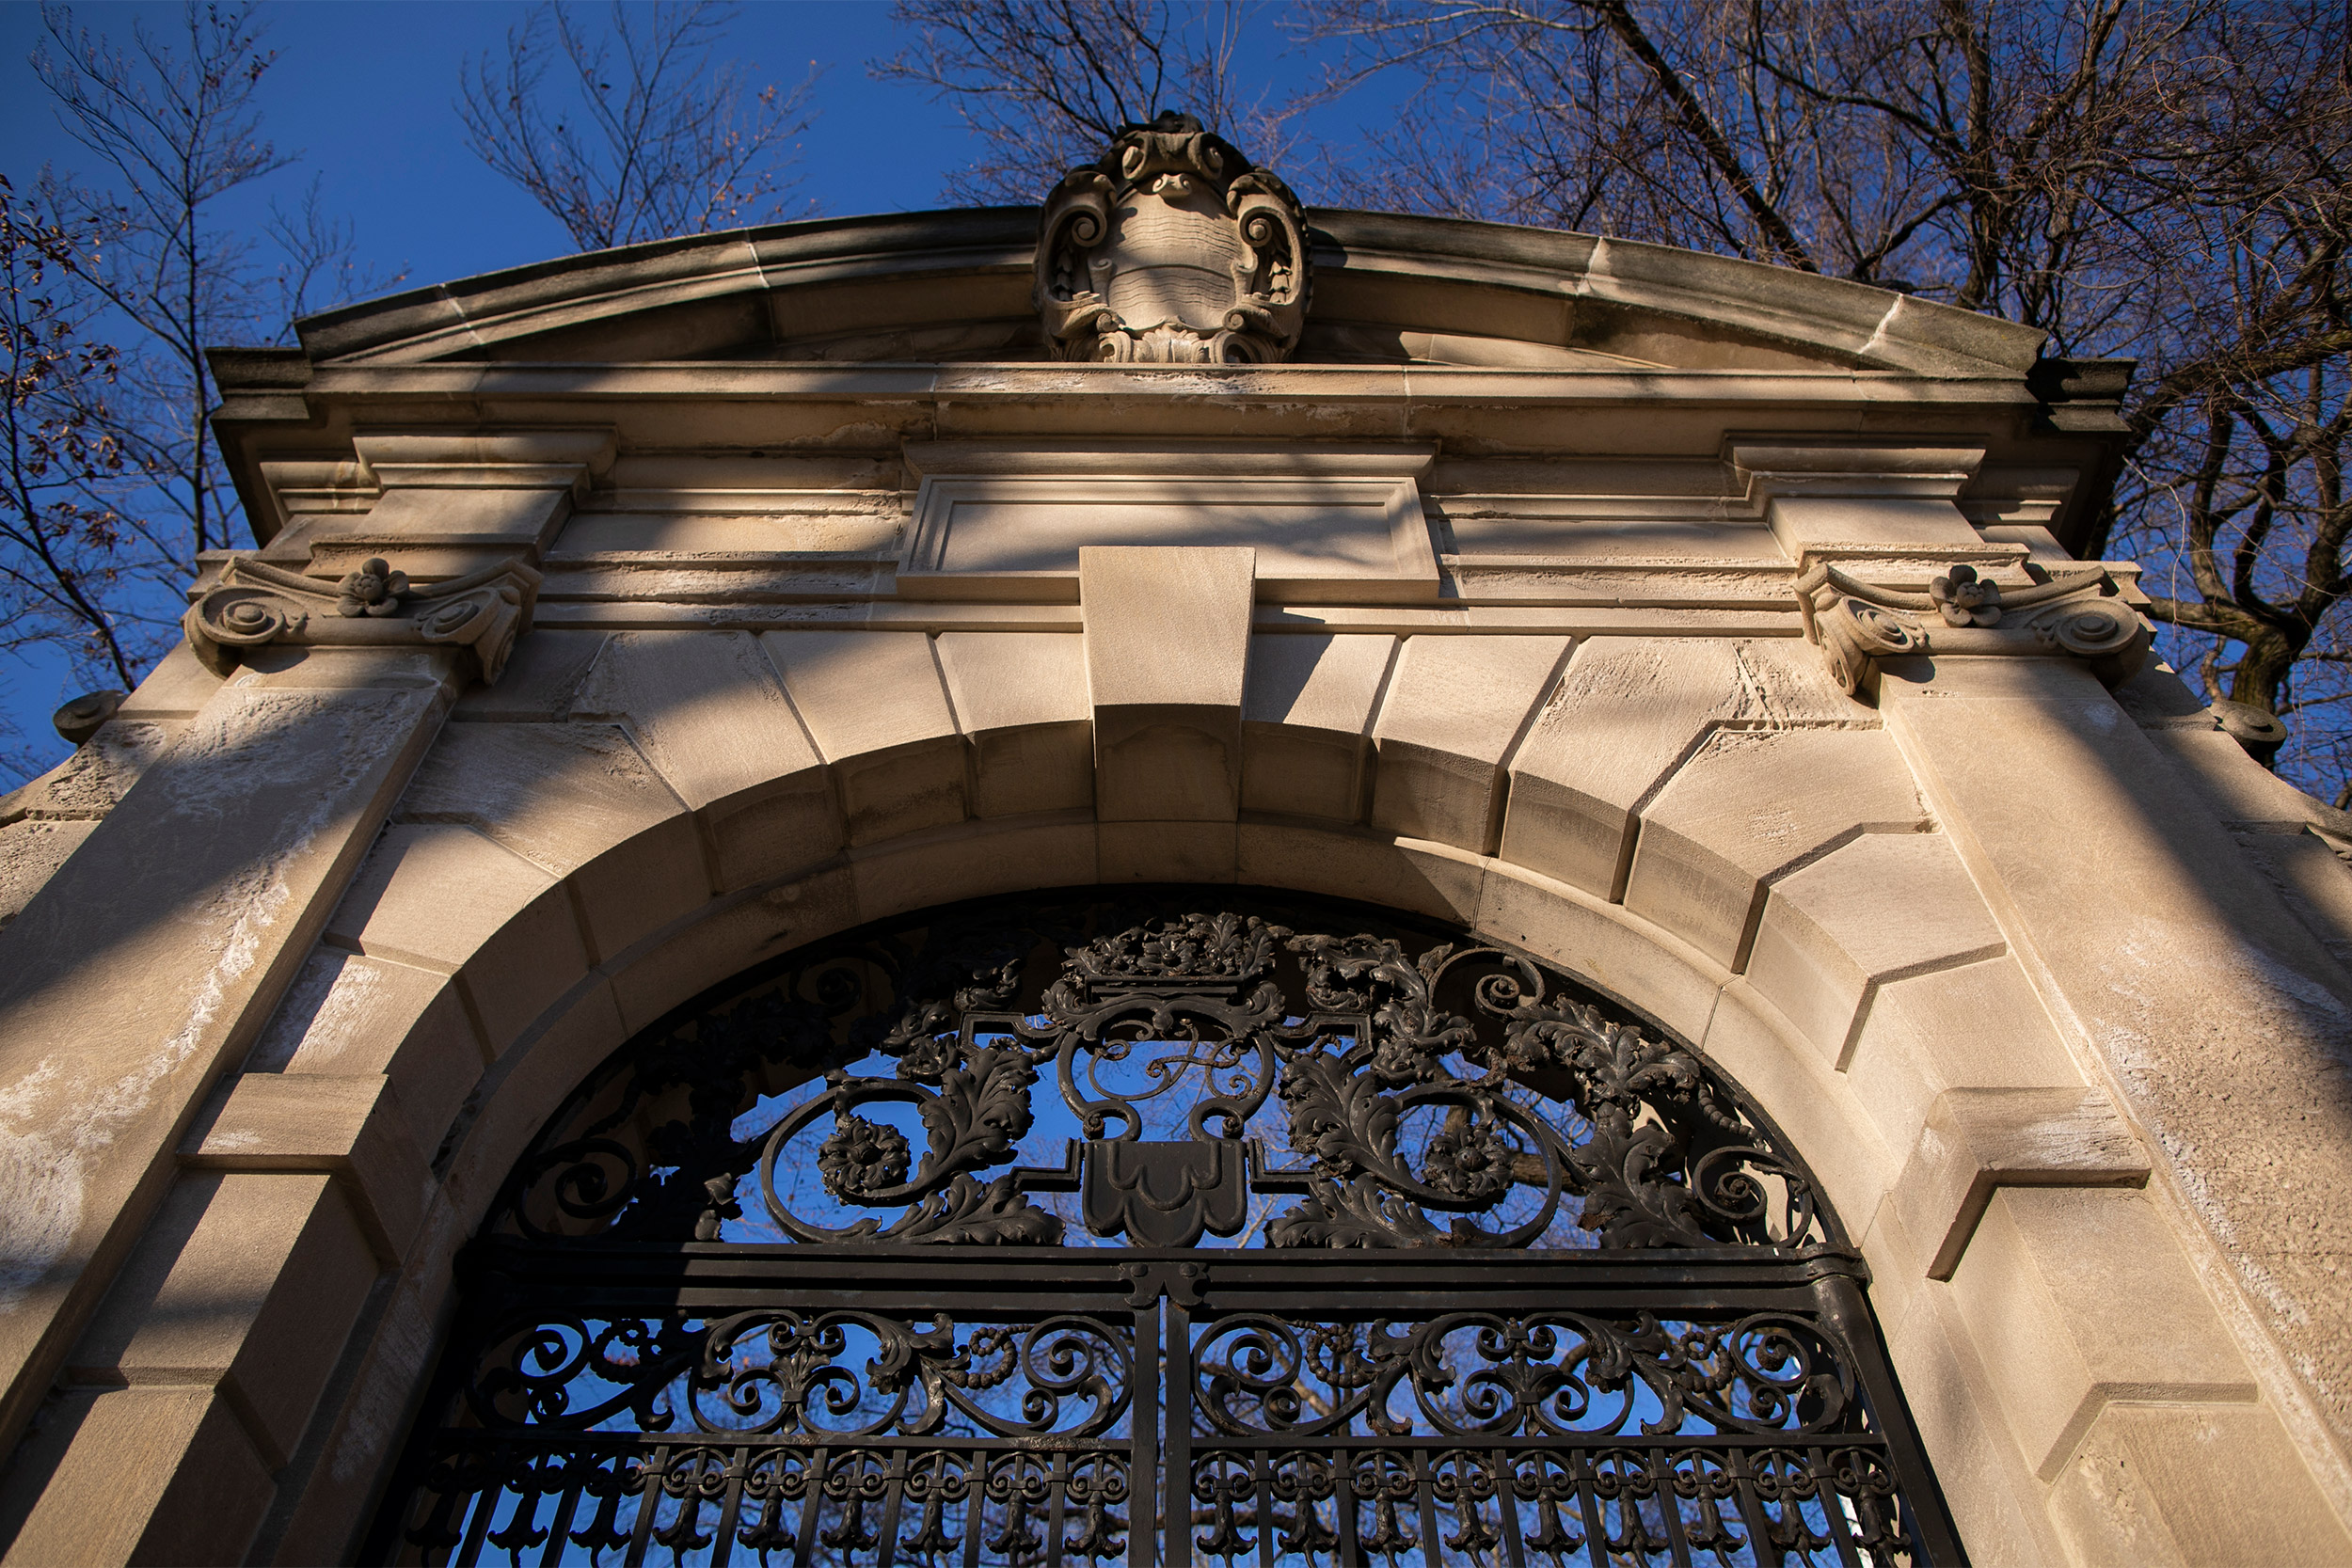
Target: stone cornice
254,605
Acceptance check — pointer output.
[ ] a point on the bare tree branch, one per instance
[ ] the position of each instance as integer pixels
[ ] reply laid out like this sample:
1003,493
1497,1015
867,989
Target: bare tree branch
1045,83
648,129
116,283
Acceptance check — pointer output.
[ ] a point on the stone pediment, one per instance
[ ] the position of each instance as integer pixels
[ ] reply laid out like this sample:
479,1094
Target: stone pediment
959,287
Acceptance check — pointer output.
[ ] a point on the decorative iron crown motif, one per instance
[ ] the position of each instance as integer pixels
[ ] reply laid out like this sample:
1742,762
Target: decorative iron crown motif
1174,249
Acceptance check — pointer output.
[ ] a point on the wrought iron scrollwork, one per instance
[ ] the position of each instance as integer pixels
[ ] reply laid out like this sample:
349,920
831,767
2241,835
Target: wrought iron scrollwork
1180,1068
1527,1375
847,1373
1508,1277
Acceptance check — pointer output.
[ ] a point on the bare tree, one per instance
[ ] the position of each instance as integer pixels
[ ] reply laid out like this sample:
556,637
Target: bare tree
174,125
649,131
116,283
1046,83
76,575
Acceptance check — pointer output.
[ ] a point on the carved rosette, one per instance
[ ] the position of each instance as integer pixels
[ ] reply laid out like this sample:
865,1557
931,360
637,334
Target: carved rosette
1857,624
375,607
1174,249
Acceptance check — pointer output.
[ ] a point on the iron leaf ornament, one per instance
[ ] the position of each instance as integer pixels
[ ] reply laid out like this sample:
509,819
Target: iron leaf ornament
1189,1069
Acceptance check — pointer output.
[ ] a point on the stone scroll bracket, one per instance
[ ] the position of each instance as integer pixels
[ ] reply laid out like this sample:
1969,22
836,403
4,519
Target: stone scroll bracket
252,604
424,539
1966,613
1888,566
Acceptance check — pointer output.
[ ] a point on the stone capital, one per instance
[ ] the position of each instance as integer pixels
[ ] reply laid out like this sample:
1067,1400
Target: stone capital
1963,612
253,604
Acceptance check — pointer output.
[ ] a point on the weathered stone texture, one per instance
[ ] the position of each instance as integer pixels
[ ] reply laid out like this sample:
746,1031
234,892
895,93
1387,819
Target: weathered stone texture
1749,807
1626,714
2218,1016
200,893
2047,986
1455,710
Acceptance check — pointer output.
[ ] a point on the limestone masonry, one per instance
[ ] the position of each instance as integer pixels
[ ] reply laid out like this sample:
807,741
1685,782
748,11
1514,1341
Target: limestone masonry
1711,631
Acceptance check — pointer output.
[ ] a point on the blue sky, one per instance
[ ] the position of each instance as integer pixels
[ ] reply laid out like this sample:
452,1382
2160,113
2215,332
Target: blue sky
361,91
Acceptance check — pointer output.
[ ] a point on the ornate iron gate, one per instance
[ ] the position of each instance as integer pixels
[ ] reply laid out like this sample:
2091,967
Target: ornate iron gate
1366,1244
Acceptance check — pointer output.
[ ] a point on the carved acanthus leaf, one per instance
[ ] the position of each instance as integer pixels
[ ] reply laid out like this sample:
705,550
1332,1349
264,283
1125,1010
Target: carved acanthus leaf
1856,623
254,604
1173,249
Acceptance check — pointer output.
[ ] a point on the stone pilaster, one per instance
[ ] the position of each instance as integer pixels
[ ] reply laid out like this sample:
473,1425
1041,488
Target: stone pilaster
150,963
150,960
2216,1019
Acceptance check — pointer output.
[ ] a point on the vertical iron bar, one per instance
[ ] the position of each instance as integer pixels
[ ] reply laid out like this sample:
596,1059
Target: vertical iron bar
1741,1462
975,1515
1143,1442
1057,1493
1922,1499
1425,1494
1513,1552
730,1507
1343,1502
478,1526
1588,1498
894,1492
812,1503
565,1506
1832,1515
1669,1506
648,1505
1262,1476
1176,1438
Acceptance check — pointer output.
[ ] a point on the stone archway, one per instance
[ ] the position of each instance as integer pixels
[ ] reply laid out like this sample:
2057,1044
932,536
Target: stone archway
1578,593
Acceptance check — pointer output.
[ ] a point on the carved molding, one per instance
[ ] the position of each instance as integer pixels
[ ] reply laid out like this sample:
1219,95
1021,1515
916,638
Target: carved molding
1333,522
1174,249
1857,624
375,607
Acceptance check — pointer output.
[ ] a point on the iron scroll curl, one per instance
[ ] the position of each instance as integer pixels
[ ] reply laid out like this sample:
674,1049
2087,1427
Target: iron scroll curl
1157,1069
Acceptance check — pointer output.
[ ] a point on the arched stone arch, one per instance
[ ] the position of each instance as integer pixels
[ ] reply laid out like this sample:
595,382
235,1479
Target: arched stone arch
546,887
1564,651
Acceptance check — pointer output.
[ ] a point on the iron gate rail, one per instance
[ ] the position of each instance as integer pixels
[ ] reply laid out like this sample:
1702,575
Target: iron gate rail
1031,1406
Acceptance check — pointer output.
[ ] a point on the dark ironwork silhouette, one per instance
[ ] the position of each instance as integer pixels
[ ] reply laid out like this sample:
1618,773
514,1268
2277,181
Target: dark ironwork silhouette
1367,1243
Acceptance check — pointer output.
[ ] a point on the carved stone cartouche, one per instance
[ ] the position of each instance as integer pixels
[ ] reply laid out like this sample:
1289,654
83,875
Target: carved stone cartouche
1174,249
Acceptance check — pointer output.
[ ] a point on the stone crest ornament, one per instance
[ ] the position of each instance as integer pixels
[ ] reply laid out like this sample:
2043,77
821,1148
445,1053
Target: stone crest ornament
1174,249
1857,624
254,604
